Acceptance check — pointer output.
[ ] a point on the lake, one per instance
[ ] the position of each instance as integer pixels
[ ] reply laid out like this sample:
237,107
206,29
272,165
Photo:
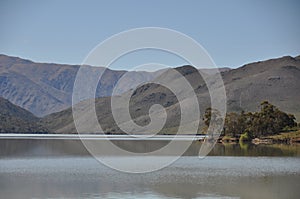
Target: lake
62,168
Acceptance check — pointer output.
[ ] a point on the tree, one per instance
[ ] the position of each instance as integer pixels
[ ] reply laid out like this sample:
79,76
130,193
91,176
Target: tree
232,126
213,120
269,120
207,116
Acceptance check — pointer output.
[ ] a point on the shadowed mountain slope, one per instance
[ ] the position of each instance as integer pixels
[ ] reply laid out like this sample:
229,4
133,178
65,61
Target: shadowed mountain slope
14,119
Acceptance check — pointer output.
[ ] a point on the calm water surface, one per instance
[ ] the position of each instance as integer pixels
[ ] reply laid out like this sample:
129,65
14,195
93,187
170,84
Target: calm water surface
64,169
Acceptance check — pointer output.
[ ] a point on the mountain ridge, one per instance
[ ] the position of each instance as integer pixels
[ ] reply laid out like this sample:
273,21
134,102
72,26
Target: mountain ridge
275,80
52,84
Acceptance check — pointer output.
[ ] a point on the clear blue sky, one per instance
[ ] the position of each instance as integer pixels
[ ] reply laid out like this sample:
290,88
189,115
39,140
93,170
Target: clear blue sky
233,32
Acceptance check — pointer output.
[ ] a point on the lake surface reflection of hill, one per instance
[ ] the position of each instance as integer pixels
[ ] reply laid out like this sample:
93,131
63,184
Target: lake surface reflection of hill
64,169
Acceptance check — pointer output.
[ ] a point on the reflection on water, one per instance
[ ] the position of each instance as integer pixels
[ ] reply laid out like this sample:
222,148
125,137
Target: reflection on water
63,169
48,147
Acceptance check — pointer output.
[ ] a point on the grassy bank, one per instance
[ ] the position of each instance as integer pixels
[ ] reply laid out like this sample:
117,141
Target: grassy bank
290,137
285,137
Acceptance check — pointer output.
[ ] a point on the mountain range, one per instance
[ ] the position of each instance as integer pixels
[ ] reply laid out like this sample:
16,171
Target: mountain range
47,88
44,88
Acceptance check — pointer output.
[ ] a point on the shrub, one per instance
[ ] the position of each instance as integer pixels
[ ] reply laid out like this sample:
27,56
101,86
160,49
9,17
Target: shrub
245,137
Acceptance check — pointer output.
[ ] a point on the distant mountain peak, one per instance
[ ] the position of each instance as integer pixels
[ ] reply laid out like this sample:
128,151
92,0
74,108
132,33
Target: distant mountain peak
11,59
186,69
297,57
44,88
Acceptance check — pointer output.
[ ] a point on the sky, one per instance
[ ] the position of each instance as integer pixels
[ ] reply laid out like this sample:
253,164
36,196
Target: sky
233,32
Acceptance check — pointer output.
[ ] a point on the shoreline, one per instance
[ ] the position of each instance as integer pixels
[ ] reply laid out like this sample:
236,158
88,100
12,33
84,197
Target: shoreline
102,137
287,138
292,137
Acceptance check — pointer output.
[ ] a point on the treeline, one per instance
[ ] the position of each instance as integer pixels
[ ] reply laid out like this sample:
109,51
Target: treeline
268,121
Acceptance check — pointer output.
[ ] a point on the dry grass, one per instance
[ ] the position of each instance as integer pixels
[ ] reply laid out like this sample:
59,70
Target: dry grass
285,136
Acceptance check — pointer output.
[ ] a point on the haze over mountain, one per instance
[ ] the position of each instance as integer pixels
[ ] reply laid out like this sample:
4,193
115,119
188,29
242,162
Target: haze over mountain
44,88
275,80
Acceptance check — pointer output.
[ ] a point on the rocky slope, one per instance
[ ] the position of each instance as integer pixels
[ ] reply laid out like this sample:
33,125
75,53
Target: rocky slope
275,80
14,119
